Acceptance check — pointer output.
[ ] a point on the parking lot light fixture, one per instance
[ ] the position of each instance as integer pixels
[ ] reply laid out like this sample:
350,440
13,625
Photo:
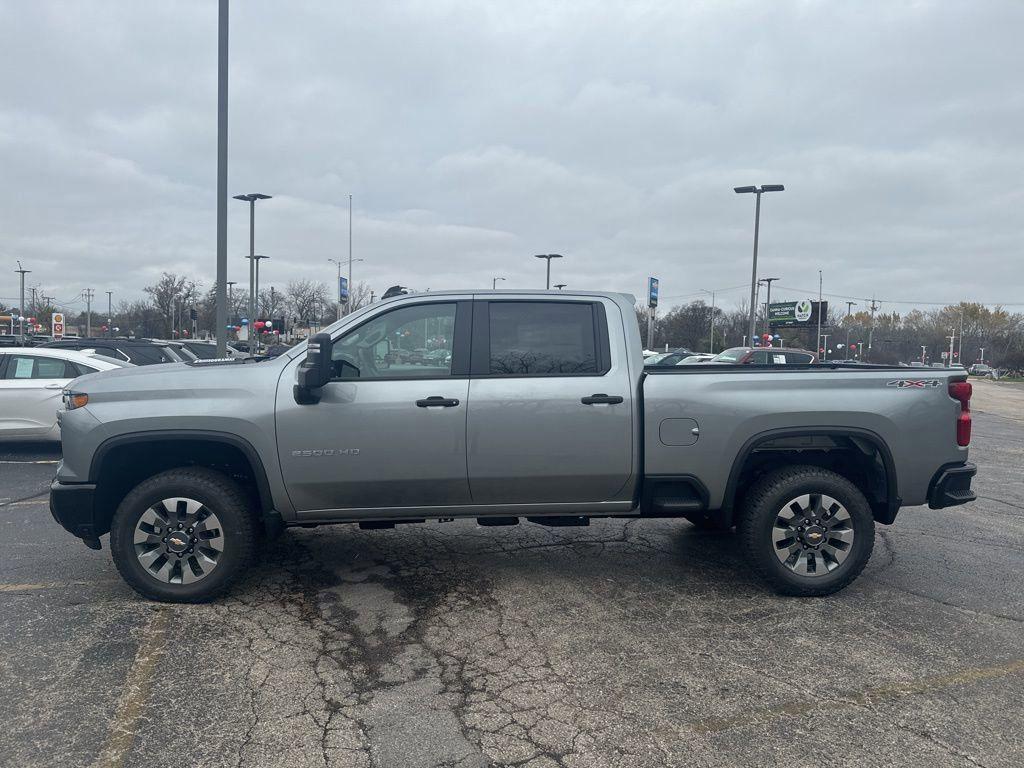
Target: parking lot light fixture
494,282
251,199
548,257
757,225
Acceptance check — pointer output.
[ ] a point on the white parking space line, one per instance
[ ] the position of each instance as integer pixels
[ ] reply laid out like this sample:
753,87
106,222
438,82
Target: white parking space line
30,461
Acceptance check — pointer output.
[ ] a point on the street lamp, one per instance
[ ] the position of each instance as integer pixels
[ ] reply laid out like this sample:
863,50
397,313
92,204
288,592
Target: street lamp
560,286
849,307
251,199
548,257
21,306
494,282
757,225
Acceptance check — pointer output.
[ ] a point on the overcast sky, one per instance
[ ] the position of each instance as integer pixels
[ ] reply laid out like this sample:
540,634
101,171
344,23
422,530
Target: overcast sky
474,135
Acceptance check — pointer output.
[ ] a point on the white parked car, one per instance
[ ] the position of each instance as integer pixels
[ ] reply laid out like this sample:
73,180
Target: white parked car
696,359
31,382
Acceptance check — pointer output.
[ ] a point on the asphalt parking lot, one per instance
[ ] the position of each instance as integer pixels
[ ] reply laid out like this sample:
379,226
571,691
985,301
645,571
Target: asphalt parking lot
628,643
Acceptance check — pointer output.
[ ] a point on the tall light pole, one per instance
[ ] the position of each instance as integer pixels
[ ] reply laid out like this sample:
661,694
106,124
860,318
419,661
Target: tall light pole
824,355
21,305
924,351
871,331
251,199
757,226
711,348
494,282
768,301
548,257
109,318
222,177
231,307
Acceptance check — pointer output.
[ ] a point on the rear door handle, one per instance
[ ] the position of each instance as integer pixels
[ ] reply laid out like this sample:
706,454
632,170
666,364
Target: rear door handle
601,398
436,401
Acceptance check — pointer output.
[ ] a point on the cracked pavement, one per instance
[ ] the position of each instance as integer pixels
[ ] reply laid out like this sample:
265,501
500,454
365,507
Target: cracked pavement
628,643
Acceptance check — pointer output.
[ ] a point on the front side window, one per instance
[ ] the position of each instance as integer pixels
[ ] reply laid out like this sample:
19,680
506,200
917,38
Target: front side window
414,341
535,337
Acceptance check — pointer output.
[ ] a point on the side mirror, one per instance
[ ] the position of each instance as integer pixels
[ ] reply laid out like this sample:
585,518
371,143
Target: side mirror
315,370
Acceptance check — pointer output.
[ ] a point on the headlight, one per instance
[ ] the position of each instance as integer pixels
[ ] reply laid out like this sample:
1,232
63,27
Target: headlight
74,400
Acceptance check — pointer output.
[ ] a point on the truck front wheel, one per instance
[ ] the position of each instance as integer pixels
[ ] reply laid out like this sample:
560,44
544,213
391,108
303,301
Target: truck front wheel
806,530
183,536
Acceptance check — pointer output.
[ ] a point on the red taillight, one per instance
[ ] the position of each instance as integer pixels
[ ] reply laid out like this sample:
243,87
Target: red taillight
961,392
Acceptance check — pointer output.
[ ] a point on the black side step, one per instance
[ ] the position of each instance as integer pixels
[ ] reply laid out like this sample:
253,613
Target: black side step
495,521
558,521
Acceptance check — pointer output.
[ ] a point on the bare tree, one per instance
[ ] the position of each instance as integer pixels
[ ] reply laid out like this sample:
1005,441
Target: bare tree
172,294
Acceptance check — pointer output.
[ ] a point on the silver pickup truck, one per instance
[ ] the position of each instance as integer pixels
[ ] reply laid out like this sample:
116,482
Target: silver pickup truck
500,406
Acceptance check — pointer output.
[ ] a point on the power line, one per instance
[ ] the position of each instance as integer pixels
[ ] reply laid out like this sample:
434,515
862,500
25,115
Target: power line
869,299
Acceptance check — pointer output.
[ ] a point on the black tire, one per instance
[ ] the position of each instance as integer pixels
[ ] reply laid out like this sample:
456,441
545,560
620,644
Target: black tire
217,493
764,501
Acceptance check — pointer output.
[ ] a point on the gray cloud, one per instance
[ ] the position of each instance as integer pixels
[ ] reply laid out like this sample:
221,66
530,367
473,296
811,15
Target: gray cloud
476,134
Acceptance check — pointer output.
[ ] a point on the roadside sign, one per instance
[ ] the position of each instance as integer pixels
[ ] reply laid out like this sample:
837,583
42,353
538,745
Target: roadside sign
342,290
57,325
790,313
652,292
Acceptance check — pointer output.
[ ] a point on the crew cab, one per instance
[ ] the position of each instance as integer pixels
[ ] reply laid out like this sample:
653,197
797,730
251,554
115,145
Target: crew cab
540,410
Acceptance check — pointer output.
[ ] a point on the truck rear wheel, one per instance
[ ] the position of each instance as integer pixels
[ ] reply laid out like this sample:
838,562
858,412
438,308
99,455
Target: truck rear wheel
806,530
183,536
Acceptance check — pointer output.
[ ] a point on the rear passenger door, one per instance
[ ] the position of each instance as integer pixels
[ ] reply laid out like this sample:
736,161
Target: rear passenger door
550,403
30,392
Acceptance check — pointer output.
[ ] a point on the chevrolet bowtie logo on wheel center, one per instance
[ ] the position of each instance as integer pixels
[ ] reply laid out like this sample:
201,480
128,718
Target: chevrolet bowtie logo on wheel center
177,542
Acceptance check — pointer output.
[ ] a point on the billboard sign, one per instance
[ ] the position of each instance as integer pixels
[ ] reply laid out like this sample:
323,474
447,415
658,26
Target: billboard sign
57,325
342,290
796,313
652,292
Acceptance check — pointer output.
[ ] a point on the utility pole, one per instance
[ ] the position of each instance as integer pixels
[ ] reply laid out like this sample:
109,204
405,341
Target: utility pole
849,307
88,293
871,332
952,338
21,304
924,353
768,302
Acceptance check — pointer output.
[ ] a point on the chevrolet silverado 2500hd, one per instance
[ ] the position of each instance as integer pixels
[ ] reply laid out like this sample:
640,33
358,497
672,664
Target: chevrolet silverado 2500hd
530,405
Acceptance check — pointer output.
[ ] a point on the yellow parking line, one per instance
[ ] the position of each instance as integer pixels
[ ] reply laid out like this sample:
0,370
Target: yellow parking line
861,698
42,585
136,691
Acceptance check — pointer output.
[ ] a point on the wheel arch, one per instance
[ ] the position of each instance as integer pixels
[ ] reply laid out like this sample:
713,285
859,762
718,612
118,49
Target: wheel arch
123,461
878,485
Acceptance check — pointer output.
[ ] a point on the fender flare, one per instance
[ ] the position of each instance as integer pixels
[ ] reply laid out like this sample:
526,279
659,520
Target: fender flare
893,501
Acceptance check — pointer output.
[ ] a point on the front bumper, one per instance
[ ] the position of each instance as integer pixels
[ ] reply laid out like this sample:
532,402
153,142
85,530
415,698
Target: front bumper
952,486
71,505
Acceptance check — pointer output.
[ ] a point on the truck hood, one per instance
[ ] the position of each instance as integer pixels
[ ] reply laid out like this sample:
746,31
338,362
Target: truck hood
179,380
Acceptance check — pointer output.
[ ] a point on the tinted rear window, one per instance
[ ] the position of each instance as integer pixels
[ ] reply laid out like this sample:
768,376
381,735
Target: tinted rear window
146,354
202,351
534,337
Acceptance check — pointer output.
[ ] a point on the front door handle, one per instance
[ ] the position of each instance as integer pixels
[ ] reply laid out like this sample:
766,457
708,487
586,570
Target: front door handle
436,401
601,398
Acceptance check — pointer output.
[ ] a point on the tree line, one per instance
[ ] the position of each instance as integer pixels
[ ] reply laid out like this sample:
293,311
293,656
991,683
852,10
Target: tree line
893,336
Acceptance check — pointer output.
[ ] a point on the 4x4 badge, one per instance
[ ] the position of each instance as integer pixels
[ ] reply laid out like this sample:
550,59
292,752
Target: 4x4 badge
913,383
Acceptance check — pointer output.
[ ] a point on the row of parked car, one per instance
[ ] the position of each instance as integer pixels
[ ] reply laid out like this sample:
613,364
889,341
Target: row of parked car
733,356
33,376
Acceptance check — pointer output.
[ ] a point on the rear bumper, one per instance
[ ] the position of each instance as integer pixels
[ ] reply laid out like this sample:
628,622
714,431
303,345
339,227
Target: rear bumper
71,505
952,486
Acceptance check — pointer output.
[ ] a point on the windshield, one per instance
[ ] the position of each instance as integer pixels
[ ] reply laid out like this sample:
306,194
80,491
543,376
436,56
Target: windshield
202,351
733,355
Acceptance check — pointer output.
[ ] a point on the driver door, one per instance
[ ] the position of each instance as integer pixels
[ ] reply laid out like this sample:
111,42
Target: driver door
387,432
